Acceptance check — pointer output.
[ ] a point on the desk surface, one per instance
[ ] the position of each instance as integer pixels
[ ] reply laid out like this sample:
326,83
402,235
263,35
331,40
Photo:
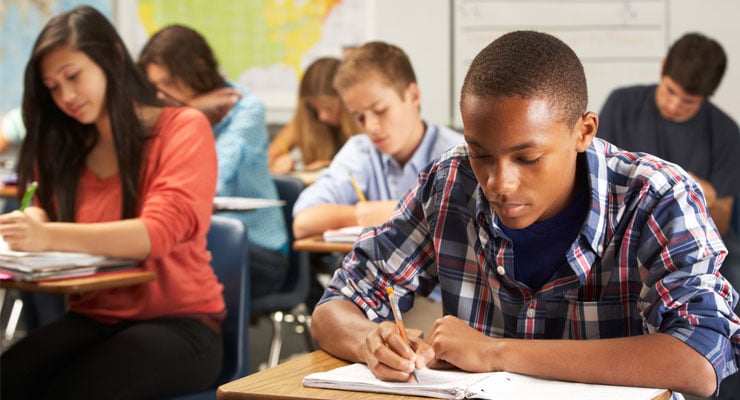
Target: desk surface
8,191
284,382
81,284
317,244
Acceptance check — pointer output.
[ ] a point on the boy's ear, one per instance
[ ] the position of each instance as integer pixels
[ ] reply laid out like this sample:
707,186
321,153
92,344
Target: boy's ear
412,90
585,130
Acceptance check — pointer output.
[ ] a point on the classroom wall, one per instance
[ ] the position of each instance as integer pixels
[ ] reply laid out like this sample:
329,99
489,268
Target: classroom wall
425,29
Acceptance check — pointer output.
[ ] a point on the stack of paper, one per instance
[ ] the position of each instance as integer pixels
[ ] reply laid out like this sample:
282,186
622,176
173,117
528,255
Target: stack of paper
31,266
454,384
348,234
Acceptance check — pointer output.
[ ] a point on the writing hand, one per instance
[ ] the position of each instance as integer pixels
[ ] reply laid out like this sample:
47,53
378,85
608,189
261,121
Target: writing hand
24,231
389,357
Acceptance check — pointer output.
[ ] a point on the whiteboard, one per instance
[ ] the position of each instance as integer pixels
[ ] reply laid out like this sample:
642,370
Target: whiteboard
620,43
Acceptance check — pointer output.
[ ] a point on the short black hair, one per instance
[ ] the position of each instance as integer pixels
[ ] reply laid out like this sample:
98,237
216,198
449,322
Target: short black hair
530,65
697,63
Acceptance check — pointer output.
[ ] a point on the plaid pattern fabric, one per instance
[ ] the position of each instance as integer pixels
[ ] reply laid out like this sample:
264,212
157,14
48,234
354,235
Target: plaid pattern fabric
646,260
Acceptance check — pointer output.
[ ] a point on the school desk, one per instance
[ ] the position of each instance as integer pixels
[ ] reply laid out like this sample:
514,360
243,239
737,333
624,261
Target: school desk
316,244
284,382
105,280
8,191
308,177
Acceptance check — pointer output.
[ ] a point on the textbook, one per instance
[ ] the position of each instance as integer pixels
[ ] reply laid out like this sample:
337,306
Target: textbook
346,235
455,384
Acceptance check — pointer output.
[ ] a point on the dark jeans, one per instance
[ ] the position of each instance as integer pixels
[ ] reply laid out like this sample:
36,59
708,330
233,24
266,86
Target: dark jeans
78,358
267,270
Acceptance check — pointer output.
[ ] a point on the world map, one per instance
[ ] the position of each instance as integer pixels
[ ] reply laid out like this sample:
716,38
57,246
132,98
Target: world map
263,45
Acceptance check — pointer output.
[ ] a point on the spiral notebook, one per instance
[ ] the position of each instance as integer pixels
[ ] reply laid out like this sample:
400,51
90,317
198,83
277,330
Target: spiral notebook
453,384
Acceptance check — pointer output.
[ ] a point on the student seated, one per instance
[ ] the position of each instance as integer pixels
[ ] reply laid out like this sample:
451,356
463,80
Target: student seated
320,126
378,87
558,255
179,62
118,175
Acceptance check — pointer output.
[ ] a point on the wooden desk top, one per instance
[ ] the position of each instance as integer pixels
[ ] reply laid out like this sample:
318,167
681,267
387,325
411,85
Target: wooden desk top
8,191
316,244
81,284
284,382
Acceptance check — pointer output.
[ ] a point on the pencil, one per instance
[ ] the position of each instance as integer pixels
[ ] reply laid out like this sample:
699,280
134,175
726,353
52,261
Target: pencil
28,196
399,322
357,187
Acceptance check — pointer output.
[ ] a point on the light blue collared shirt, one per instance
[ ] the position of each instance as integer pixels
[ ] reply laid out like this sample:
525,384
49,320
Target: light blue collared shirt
379,176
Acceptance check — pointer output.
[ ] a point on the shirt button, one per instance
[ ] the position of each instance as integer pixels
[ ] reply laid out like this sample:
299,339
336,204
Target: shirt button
500,269
531,313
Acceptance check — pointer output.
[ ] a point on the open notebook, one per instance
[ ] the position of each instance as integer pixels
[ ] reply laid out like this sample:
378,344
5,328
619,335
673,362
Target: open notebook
452,384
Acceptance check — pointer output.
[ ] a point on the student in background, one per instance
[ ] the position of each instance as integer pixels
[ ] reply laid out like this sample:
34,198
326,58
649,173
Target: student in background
179,62
378,87
119,176
676,121
623,287
319,127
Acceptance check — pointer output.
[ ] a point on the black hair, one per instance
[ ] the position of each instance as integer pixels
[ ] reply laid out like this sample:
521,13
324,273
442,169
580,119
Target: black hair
530,65
56,145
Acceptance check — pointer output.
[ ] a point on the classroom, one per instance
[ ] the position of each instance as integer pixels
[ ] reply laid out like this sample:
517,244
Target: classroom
266,46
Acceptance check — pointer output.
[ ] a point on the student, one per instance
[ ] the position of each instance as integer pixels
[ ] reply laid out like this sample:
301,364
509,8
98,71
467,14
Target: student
320,126
118,176
625,257
676,121
180,63
377,85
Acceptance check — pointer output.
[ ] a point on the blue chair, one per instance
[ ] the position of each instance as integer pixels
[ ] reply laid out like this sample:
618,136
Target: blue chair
288,303
227,242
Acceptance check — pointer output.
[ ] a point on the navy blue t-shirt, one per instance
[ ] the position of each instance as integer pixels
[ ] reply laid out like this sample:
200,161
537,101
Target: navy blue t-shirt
539,249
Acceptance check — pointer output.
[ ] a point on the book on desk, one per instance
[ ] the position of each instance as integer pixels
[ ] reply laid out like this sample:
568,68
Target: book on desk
35,266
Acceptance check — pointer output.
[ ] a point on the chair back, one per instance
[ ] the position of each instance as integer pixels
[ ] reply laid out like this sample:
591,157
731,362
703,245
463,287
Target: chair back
298,279
227,242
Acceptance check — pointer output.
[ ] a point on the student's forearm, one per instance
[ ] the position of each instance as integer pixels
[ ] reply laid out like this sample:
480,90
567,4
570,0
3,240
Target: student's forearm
655,360
721,213
316,220
128,238
340,328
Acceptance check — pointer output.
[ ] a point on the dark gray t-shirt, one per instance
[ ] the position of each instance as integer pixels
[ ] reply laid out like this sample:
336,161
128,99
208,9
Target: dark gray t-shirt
707,145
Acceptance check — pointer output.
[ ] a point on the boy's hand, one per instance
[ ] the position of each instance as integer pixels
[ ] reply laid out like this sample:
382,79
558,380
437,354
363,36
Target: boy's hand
457,344
390,358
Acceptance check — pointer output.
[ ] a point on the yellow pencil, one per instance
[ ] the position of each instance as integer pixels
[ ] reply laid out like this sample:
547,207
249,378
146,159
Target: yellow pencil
399,322
357,188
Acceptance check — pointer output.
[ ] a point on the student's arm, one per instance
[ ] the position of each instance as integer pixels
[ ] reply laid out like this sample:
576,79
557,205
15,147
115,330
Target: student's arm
720,208
216,103
29,232
652,360
278,152
320,218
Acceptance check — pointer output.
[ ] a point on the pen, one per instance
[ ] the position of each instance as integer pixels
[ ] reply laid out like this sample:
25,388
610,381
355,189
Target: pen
399,322
357,187
30,190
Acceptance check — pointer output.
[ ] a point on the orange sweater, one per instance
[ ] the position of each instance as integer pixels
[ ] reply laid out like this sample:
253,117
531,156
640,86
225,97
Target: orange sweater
176,197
